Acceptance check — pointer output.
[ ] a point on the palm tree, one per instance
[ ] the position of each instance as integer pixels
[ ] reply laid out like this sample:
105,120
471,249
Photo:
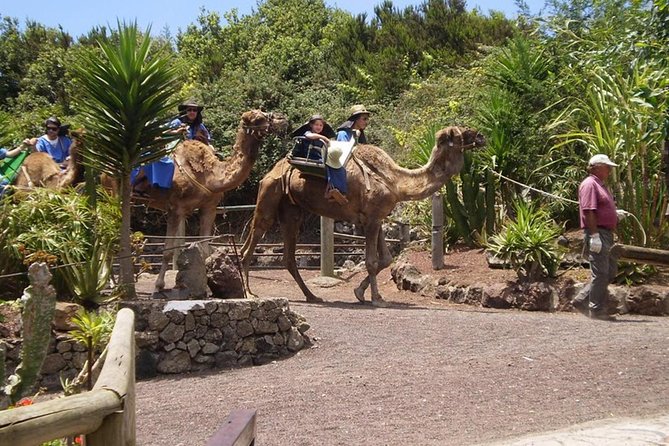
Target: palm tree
126,93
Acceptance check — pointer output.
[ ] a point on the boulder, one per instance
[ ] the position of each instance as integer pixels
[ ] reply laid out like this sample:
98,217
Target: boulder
223,276
191,280
62,317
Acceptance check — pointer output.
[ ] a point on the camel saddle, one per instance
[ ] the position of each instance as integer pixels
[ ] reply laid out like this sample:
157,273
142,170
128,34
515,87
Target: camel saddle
336,155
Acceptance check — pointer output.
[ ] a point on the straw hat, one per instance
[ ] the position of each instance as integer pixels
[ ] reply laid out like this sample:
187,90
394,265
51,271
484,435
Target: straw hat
190,103
334,157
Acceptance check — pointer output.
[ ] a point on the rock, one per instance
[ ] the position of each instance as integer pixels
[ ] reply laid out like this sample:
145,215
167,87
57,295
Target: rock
191,280
497,295
223,277
227,358
53,363
295,340
172,333
536,296
62,317
648,301
176,361
408,277
146,365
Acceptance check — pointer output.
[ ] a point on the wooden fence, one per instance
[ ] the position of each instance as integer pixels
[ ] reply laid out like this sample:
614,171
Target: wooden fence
105,414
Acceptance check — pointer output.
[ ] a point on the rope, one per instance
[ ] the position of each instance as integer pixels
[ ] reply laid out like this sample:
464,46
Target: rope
534,189
565,199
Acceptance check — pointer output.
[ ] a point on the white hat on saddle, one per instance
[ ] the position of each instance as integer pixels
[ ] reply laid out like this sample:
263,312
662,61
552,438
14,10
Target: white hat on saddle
334,158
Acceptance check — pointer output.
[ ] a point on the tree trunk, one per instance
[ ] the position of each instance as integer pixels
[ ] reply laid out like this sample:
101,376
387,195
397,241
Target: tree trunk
125,261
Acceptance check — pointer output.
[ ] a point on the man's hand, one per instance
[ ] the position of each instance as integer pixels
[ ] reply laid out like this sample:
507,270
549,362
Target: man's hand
621,214
595,243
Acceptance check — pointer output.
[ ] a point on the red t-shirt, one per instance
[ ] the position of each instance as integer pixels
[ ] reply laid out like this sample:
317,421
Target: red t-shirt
594,196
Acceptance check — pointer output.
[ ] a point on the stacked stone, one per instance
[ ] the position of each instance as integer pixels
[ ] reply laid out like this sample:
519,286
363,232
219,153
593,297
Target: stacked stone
183,336
64,357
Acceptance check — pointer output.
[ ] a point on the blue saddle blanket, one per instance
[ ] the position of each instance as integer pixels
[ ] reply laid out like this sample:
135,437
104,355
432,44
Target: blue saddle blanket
158,173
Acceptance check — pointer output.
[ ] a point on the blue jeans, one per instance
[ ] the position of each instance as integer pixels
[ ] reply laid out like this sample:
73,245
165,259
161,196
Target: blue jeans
603,270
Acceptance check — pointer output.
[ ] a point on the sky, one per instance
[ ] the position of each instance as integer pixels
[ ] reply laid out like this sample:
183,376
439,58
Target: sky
78,17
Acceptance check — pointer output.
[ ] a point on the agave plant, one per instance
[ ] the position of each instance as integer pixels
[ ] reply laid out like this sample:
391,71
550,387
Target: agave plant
528,243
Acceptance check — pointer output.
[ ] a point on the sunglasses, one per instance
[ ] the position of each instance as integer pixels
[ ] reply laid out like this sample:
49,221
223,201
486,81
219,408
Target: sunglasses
53,129
191,109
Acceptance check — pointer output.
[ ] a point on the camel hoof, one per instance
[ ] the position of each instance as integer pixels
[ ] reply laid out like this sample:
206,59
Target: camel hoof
359,294
314,300
379,303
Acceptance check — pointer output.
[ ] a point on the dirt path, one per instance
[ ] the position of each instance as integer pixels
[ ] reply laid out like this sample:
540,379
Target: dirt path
420,372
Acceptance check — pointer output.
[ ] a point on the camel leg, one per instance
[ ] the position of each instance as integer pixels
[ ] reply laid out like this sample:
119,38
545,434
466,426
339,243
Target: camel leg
173,221
372,234
385,259
267,203
259,226
207,219
290,220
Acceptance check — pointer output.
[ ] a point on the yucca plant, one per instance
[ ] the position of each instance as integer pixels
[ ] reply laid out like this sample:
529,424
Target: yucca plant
126,94
93,331
528,243
87,277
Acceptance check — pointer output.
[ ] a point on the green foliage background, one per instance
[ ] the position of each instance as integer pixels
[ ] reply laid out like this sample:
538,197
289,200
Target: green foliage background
548,91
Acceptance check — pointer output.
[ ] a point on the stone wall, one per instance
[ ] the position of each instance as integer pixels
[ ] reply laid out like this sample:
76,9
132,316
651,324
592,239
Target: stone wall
185,336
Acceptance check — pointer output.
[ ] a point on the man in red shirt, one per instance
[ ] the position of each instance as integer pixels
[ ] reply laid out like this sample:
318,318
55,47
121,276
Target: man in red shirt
599,218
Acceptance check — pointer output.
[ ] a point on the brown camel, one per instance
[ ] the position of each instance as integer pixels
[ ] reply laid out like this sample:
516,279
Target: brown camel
40,170
200,178
375,185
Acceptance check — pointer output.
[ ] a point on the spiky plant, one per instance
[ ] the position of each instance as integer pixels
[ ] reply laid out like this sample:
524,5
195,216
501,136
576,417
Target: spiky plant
126,93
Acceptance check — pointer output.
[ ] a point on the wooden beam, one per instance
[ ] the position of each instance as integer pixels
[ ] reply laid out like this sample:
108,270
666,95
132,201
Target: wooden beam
239,429
641,255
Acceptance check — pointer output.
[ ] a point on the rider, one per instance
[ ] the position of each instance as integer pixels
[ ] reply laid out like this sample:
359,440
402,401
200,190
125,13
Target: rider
55,142
190,123
353,127
313,136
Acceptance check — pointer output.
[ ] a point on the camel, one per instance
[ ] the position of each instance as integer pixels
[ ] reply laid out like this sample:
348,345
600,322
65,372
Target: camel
376,184
40,170
200,178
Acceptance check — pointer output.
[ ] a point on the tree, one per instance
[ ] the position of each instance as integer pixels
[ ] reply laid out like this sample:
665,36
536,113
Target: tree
125,95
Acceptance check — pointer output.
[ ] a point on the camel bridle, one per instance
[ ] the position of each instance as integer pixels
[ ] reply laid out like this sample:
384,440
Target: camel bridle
463,146
261,130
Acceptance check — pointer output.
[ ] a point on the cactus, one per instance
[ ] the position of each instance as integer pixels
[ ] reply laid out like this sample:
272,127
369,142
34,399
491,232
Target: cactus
469,204
38,310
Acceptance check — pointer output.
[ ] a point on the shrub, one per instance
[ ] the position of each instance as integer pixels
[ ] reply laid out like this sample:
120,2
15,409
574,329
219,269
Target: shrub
528,243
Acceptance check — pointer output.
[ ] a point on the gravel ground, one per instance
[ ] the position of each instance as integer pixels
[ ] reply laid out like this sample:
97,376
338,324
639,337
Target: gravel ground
422,371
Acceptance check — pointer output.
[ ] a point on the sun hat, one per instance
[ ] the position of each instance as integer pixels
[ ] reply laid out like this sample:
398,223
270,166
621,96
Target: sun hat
327,129
356,110
600,158
334,157
190,103
52,120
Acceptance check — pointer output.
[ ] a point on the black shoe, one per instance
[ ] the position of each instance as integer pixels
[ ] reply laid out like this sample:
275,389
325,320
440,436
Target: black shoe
602,316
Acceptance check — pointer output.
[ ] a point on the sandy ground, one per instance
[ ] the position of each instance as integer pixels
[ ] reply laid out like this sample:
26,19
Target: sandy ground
422,371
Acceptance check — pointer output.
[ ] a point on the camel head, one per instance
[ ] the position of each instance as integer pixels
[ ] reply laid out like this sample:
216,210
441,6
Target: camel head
453,141
260,124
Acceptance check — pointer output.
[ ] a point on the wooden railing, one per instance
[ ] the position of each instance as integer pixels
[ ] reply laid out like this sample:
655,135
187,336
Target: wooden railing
106,414
238,430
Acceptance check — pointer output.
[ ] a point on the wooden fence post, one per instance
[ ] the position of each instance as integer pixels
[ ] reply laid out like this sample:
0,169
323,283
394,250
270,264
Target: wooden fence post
437,231
327,247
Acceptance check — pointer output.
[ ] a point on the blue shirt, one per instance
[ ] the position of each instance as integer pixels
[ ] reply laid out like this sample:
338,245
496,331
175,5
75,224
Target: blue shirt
344,135
192,130
59,150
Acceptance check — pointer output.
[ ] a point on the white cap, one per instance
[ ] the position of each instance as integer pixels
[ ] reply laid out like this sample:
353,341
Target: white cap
600,158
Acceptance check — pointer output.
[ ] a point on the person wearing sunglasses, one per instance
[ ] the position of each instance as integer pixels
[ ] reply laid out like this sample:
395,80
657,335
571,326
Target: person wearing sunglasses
190,123
55,142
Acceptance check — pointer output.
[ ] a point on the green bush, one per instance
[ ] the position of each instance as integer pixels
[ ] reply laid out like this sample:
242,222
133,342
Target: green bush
528,243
